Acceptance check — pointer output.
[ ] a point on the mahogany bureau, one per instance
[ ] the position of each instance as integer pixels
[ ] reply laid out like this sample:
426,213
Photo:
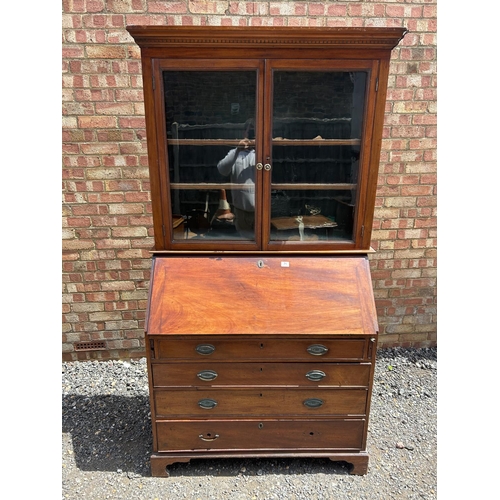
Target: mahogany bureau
263,149
252,356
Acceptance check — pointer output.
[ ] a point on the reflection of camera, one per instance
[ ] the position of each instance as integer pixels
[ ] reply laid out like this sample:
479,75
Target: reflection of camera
250,129
246,144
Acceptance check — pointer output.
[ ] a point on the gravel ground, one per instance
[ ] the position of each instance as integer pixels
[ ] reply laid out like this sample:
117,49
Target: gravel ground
107,442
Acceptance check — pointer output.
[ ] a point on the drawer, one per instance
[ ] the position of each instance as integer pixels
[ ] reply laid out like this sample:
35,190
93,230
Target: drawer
208,373
262,348
324,435
213,403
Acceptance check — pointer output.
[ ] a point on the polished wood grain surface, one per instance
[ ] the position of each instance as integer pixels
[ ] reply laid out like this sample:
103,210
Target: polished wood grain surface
260,435
267,37
261,374
265,295
271,402
258,348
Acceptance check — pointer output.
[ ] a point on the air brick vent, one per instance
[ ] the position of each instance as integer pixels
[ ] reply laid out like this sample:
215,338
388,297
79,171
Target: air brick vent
90,346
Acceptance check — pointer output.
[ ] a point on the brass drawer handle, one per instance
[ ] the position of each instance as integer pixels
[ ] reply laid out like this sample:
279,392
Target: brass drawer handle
315,375
317,349
205,349
207,404
207,375
313,403
208,437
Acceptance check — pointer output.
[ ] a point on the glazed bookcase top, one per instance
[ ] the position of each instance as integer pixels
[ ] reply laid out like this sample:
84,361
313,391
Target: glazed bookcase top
311,103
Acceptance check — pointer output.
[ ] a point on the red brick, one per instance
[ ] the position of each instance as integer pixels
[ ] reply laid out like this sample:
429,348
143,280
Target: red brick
100,149
97,122
109,221
171,7
139,122
122,185
316,9
106,51
149,19
125,108
78,221
418,190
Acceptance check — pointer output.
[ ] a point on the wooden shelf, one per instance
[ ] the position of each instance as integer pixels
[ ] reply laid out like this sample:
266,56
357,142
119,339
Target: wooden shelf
276,142
309,221
209,186
316,142
317,187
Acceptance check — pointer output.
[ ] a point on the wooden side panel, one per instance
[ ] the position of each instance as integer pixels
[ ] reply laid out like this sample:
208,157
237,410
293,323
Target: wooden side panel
264,295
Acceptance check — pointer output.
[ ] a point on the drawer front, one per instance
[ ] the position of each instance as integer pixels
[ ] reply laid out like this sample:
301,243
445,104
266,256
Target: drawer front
260,435
262,349
262,374
213,403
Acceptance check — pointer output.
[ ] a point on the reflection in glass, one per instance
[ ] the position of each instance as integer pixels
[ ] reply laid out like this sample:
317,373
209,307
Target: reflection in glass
295,218
316,137
211,171
239,165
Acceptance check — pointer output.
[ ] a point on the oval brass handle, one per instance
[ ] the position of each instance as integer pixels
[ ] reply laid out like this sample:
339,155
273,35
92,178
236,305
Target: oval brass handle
207,375
258,166
315,375
317,349
313,403
208,437
205,349
267,167
207,404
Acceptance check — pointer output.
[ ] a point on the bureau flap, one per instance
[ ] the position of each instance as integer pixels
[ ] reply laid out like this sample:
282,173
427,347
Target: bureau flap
264,295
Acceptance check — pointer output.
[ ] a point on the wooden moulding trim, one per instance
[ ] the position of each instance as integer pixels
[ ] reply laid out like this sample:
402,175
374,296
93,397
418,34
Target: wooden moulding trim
176,36
263,253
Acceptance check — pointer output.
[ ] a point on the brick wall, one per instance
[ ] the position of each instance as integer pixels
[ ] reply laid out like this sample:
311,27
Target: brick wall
107,221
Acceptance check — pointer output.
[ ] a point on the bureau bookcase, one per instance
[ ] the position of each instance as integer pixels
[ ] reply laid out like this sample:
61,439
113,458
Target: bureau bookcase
261,328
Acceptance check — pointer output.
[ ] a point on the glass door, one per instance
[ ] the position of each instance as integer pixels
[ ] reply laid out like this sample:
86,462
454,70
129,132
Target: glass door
318,117
210,114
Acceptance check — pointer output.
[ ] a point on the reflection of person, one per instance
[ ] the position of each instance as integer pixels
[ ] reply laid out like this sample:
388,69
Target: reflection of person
239,164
